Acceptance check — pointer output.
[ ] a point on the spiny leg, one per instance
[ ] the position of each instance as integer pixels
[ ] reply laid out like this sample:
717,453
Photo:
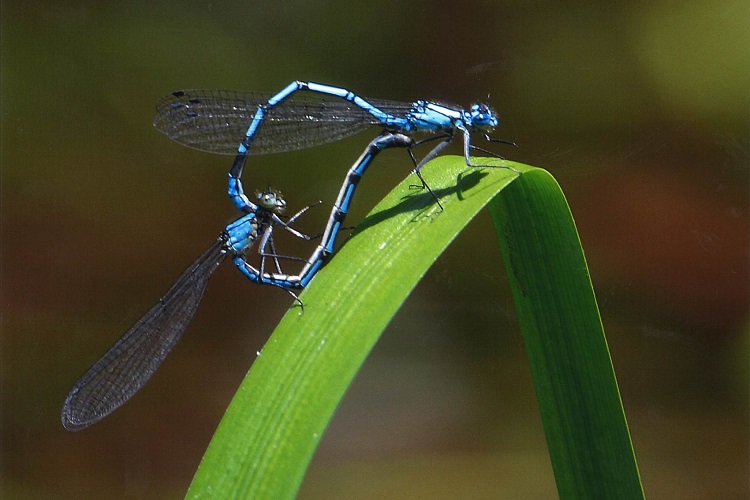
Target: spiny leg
468,147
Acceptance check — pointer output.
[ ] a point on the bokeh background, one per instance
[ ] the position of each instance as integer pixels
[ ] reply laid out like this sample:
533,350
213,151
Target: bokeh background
640,109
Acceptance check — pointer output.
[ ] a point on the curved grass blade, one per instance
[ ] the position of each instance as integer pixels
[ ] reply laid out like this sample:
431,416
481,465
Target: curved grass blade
271,429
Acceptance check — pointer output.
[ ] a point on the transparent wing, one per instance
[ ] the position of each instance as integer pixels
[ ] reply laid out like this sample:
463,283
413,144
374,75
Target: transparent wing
216,121
129,364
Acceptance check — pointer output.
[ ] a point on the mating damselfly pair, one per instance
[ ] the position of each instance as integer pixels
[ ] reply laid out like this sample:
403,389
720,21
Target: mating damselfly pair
302,115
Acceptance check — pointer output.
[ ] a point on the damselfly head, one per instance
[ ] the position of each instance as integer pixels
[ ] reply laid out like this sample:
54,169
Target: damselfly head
271,200
482,117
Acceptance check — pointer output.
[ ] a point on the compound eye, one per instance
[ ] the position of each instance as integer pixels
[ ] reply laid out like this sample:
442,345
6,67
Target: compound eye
267,200
478,111
484,118
482,110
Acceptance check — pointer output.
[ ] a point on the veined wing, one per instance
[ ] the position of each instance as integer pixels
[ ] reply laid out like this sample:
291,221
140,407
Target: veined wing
216,121
129,364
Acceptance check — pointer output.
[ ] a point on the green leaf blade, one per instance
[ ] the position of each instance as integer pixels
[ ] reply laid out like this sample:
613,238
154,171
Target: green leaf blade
270,431
574,379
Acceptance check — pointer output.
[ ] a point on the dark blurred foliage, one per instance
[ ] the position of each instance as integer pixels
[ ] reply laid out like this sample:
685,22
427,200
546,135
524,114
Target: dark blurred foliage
641,110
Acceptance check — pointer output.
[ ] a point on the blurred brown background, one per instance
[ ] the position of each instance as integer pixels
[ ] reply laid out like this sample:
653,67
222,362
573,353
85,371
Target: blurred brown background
641,110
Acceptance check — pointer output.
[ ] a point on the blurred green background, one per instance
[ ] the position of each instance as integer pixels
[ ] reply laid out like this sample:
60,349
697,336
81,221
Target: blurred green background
641,110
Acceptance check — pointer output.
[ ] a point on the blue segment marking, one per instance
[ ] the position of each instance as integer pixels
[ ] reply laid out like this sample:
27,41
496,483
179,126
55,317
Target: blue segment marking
305,114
